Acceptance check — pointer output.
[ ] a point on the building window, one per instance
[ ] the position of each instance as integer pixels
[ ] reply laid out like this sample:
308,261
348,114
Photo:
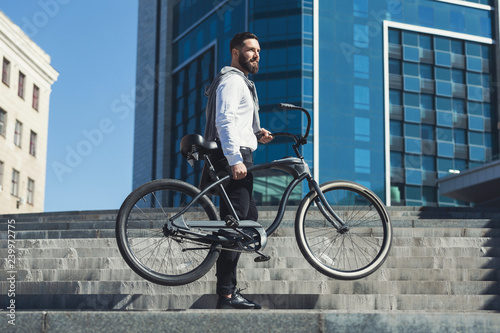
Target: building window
3,122
18,133
188,117
36,95
33,143
31,191
15,183
20,86
6,71
453,88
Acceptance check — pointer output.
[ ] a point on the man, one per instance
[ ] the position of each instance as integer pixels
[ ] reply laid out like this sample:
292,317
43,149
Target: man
233,120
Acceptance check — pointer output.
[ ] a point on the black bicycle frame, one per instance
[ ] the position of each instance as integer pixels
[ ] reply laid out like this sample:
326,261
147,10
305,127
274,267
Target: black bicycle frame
295,166
291,165
299,170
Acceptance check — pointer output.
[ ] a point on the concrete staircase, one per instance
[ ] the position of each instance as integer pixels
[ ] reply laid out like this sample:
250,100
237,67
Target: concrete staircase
442,259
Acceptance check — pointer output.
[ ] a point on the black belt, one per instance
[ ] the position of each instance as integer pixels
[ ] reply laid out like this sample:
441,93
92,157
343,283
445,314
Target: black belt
241,148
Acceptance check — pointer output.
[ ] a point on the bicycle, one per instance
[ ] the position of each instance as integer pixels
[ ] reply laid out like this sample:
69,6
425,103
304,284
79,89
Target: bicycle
169,232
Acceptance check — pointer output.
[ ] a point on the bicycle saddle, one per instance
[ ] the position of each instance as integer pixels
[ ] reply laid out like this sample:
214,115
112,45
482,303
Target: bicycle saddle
195,143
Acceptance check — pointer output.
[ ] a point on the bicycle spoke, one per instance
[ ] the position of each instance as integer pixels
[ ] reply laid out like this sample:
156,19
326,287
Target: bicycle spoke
154,252
346,251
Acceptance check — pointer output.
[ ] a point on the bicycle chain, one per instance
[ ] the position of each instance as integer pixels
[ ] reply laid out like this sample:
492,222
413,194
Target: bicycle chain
190,241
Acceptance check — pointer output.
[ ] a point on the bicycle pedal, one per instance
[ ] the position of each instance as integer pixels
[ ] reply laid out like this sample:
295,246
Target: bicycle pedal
262,258
231,222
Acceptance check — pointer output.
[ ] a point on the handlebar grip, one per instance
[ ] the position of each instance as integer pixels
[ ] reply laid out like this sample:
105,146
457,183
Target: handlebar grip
287,106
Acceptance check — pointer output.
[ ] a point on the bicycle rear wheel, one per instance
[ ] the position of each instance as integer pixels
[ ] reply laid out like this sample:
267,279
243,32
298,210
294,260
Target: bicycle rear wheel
348,254
160,256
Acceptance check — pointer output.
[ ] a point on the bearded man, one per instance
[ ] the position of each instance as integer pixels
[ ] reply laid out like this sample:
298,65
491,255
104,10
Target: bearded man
233,120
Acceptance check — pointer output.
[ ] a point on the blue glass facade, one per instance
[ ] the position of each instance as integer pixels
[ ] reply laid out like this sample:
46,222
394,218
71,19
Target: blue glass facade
441,106
402,92
285,30
201,47
407,102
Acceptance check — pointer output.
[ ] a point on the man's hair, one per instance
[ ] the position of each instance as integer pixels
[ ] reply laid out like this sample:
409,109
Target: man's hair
239,40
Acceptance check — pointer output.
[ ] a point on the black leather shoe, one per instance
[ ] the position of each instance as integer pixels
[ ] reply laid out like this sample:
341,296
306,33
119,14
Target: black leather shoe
236,302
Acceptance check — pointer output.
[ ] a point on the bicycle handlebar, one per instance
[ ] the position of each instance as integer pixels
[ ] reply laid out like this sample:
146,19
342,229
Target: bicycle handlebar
286,106
299,140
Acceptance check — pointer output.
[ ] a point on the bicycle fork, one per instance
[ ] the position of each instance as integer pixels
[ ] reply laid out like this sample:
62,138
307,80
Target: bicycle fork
325,208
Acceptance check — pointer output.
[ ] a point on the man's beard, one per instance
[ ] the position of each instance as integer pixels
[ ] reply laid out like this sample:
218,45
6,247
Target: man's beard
250,66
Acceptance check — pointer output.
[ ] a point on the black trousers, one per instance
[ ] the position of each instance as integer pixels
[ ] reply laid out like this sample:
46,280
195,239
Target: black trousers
240,195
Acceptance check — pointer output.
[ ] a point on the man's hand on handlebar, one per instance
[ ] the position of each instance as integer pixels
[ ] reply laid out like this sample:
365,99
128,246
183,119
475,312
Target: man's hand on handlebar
265,136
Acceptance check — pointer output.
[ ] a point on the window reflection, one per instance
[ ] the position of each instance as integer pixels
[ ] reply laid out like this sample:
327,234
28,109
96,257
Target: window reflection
445,107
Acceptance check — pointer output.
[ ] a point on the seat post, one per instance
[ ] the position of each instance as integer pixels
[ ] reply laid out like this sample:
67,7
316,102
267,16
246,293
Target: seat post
223,194
211,169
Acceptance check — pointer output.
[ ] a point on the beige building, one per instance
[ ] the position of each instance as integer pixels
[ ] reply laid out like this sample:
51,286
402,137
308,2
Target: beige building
27,77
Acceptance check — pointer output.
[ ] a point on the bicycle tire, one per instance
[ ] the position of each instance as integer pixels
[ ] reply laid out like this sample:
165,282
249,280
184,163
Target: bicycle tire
165,259
356,253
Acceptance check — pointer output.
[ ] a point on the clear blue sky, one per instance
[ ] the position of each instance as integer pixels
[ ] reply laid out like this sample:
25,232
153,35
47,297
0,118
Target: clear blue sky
93,46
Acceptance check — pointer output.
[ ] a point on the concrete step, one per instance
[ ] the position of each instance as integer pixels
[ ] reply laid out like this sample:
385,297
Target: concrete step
106,229
269,213
354,303
65,226
265,214
411,247
430,257
401,237
286,321
64,216
492,234
59,234
247,261
259,274
414,222
110,232
91,232
267,282
442,258
82,219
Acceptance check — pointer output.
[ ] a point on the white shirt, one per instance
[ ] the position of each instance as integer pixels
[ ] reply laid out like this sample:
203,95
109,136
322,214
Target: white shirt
234,118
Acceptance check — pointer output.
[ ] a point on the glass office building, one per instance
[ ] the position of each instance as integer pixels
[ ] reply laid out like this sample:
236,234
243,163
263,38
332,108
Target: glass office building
401,92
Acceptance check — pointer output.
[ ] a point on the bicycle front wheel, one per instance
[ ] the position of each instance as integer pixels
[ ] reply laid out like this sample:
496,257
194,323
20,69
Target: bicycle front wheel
153,252
357,250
